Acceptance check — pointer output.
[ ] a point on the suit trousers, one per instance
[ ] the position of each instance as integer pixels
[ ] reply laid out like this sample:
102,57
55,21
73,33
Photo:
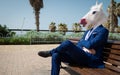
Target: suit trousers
70,53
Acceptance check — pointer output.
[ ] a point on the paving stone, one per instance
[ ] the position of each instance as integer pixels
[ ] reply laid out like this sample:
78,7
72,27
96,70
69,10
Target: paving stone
23,60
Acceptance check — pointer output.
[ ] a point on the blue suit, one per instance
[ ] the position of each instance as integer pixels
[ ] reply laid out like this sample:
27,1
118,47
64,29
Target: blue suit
68,52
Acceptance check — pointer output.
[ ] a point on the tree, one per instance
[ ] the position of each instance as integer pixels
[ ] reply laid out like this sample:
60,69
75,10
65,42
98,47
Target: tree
117,11
52,27
37,5
62,28
76,27
5,32
114,13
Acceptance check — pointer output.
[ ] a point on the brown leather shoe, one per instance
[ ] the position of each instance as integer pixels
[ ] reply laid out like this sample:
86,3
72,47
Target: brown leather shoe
44,54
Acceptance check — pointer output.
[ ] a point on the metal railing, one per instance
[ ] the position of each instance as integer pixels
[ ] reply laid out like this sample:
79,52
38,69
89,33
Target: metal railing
37,40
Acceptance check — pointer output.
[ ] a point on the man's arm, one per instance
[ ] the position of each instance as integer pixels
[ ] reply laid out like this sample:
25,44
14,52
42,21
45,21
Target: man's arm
74,40
91,51
99,39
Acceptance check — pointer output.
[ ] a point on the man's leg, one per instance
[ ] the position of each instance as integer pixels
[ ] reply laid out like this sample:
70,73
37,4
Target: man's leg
73,51
62,47
67,52
67,46
59,49
56,62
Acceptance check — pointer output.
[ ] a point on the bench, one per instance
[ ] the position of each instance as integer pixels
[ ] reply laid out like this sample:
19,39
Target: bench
111,56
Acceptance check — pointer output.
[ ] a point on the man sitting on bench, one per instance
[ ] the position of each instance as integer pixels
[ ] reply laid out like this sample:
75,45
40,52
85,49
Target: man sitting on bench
88,51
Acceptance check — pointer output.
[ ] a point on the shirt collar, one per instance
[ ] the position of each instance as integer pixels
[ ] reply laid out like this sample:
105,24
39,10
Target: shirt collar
95,27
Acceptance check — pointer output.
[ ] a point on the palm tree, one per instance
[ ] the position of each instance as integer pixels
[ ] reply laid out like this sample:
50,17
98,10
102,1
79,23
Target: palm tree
117,11
107,24
114,13
89,27
76,27
52,27
62,28
37,5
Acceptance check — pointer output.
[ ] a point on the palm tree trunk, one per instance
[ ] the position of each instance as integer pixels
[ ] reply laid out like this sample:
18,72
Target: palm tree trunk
111,16
37,20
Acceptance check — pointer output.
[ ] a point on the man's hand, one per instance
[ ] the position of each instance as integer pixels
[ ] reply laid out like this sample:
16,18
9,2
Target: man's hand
91,51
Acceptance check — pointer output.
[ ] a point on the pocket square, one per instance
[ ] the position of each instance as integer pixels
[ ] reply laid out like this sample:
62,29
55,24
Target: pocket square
94,33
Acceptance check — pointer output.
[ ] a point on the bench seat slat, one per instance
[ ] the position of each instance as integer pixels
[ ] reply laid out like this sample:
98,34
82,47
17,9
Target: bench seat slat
116,47
114,51
114,62
106,72
78,70
101,72
83,71
89,71
113,46
92,71
113,56
113,68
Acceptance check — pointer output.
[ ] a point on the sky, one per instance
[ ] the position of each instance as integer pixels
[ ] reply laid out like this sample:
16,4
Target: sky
18,14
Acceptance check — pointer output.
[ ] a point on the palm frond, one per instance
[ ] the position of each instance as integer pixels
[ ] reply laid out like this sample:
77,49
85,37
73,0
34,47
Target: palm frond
32,2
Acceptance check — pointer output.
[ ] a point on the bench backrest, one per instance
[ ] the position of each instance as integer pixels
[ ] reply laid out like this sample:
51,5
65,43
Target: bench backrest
111,55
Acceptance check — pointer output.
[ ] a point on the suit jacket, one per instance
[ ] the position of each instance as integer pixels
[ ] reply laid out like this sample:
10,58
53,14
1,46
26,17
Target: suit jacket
96,41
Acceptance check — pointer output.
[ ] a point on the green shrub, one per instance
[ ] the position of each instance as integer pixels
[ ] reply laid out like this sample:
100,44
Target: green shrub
14,41
114,36
46,37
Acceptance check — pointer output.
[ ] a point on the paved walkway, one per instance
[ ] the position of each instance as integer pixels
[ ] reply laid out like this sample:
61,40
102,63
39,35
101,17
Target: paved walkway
23,60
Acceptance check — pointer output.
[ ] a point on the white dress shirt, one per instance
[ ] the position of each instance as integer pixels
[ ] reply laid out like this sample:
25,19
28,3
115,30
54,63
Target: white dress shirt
90,32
